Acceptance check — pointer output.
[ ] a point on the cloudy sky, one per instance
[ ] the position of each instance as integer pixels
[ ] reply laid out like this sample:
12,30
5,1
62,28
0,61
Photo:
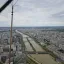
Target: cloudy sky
34,13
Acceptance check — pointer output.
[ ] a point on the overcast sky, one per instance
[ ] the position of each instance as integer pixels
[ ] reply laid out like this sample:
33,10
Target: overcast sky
34,13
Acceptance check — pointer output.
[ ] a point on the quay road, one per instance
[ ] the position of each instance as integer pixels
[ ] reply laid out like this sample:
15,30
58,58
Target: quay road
20,56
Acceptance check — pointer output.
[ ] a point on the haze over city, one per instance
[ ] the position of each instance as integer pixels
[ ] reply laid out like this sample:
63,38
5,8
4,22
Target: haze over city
31,32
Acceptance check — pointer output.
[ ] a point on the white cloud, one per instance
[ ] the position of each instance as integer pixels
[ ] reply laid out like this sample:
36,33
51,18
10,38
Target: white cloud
35,13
